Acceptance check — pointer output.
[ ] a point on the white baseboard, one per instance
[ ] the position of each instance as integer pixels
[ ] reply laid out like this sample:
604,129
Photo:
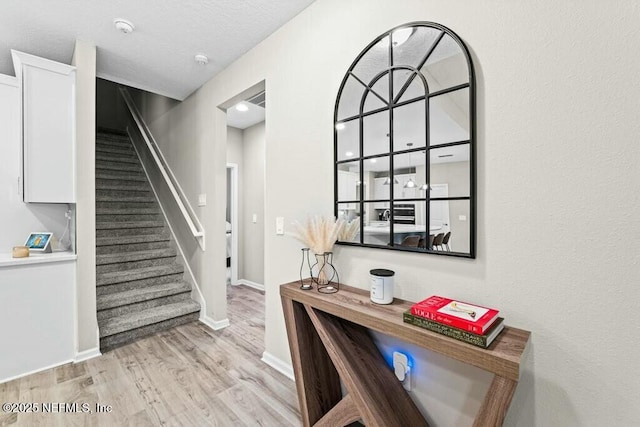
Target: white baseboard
87,354
283,367
250,284
35,371
216,325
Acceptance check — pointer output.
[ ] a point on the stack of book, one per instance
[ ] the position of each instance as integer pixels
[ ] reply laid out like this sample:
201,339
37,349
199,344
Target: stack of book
470,323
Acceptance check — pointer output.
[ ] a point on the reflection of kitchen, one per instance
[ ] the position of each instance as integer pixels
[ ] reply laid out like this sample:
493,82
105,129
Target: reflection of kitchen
449,169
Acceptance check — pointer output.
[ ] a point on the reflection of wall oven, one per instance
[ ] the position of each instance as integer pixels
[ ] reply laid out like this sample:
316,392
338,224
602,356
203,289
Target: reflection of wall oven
404,213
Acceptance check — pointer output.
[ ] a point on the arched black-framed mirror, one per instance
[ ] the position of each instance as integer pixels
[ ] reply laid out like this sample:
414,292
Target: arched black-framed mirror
404,143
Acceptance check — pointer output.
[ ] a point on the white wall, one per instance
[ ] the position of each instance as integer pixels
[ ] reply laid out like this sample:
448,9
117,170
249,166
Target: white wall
246,148
557,189
253,139
84,59
235,154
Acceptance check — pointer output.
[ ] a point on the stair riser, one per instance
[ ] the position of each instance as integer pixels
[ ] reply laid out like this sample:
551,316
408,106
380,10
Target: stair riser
133,247
109,289
148,207
120,228
128,218
123,266
130,257
118,139
132,276
118,185
117,340
116,157
111,166
124,193
121,176
114,149
137,307
130,240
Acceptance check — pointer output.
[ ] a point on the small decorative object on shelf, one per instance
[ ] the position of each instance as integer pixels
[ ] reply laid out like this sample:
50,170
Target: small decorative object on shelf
305,271
319,234
324,274
20,252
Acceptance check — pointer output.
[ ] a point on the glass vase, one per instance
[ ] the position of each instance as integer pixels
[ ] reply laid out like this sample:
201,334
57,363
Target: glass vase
324,274
306,283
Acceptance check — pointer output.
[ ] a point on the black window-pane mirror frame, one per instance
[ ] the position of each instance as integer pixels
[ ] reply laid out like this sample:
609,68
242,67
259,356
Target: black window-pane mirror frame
394,101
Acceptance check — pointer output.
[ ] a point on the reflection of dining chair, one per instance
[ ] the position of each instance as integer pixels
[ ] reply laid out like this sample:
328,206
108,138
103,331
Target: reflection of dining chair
437,241
410,241
445,241
422,243
431,237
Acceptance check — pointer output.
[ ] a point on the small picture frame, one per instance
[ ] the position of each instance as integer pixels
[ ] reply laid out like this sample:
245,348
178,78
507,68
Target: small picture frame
39,242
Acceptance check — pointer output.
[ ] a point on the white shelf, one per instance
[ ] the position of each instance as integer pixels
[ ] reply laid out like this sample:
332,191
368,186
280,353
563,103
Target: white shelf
7,261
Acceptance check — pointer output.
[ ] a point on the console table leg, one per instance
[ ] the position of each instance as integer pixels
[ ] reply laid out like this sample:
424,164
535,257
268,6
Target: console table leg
496,402
317,380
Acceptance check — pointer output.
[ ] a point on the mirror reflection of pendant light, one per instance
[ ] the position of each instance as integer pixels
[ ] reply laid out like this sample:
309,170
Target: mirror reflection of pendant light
411,183
388,181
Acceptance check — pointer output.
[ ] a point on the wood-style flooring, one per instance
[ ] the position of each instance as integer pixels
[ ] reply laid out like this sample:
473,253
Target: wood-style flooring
187,376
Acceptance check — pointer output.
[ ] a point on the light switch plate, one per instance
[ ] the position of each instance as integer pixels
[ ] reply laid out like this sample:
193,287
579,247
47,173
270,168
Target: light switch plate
462,217
202,200
254,219
280,225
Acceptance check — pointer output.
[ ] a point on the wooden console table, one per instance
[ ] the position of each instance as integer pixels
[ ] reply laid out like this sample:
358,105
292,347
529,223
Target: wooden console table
329,341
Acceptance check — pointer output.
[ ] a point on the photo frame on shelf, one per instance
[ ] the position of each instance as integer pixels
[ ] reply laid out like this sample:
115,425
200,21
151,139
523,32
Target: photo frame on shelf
39,242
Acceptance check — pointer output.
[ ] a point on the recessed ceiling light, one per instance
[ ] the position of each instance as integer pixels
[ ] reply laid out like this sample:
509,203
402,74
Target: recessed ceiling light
374,160
123,25
349,153
242,107
340,126
201,59
399,36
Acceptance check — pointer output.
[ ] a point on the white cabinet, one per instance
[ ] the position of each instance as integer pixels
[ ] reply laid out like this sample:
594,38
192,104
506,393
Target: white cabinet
48,122
347,188
380,192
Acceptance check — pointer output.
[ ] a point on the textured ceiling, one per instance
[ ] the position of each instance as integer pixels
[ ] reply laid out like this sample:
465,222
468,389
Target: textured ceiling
158,55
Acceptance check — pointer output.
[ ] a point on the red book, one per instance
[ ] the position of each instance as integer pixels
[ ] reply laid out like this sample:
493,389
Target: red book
458,314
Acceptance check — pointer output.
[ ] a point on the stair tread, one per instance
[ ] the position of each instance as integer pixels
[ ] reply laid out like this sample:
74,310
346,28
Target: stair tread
111,225
122,198
121,175
136,238
128,211
132,296
131,185
104,259
113,277
115,325
121,158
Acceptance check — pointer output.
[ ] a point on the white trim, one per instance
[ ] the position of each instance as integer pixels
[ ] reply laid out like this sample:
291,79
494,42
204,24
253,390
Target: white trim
234,222
279,365
21,58
35,371
199,296
216,325
250,284
9,80
87,354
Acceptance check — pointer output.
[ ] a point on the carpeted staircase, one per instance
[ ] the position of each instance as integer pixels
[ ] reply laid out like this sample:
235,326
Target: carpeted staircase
140,286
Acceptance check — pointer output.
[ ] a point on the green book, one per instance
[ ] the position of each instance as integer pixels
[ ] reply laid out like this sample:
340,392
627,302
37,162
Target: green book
483,341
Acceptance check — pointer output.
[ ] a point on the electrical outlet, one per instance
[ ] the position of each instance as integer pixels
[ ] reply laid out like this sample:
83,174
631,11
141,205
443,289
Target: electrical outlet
254,219
280,225
202,200
402,369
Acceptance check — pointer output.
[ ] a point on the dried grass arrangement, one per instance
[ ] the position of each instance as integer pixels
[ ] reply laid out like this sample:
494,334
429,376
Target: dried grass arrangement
349,231
319,233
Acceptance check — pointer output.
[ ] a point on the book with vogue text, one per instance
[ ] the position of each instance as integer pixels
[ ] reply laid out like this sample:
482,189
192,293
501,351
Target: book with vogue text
483,341
458,314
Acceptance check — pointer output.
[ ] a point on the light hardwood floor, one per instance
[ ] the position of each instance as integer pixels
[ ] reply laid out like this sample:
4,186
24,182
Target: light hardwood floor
186,376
